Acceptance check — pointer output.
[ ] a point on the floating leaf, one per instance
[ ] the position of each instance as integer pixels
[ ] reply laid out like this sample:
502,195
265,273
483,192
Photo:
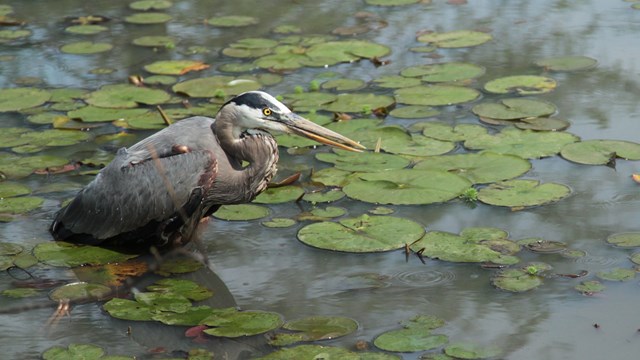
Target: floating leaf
54,137
241,212
16,99
80,291
409,340
13,166
590,287
331,176
516,280
524,143
324,213
414,112
279,195
455,39
467,247
406,187
446,132
312,352
19,293
358,103
167,301
58,253
279,223
369,161
315,197
471,351
445,72
73,352
175,67
333,52
343,84
160,80
179,265
146,5
435,95
126,96
314,328
391,2
625,240
232,21
187,288
85,47
479,168
128,310
86,29
567,63
20,205
98,114
8,35
190,317
215,86
521,85
600,152
517,193
543,246
543,124
396,82
617,274
514,109
148,18
155,41
242,323
10,249
11,189
362,234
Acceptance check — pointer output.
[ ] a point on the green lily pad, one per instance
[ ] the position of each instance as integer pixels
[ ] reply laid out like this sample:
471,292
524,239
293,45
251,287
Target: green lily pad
236,67
470,247
24,260
479,168
524,143
19,293
600,152
445,132
241,212
331,176
435,95
179,265
343,84
315,197
215,85
148,18
427,322
514,109
362,234
455,39
187,288
445,72
521,85
99,114
11,189
128,310
42,118
232,21
286,29
73,352
171,67
391,2
190,317
543,246
471,351
126,96
80,291
625,240
333,52
16,99
414,112
146,5
85,47
567,63
7,35
358,103
396,82
308,101
517,193
279,195
590,287
409,340
543,124
635,258
416,145
324,213
86,29
13,166
10,249
58,253
381,210
242,323
617,274
146,121
20,205
160,80
279,223
312,352
54,137
167,301
368,161
516,280
314,328
406,187
155,41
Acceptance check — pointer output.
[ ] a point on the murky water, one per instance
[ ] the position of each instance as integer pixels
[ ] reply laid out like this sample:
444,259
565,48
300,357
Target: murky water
269,269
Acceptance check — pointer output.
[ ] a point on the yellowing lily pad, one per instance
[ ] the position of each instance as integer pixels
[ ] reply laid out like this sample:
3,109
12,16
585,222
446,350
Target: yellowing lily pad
524,143
314,328
521,85
406,187
518,193
567,63
514,109
445,72
58,253
242,323
600,152
241,212
479,168
215,86
16,99
126,96
362,234
279,223
148,18
435,95
85,47
333,52
232,21
455,39
80,291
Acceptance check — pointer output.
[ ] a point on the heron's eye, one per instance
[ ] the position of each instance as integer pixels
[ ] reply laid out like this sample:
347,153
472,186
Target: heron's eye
266,111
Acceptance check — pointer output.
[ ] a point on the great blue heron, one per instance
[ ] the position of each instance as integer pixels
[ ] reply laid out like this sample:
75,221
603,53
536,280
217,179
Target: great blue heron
157,191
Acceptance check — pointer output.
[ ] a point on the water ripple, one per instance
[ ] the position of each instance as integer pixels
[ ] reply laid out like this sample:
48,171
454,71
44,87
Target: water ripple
425,278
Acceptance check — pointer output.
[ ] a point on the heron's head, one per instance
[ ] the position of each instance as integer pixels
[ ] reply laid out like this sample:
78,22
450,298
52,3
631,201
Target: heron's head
257,110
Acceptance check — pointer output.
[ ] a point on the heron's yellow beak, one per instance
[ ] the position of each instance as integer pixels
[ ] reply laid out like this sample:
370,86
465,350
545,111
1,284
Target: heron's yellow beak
303,127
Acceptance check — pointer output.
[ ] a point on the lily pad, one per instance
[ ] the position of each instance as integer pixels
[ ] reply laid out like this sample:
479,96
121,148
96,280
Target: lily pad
80,291
368,161
600,152
543,246
343,84
519,193
406,187
279,195
215,86
85,47
455,39
471,351
312,352
625,240
13,166
479,168
16,99
414,112
179,265
232,21
358,103
410,340
308,101
168,301
10,249
362,234
445,72
331,176
86,29
435,95
187,288
543,124
279,223
146,5
20,205
635,258
11,189
155,41
514,109
99,114
174,67
73,352
327,212
315,197
242,323
333,52
54,137
524,143
521,85
314,328
590,287
19,293
516,280
391,2
567,63
190,317
617,274
58,253
396,82
441,131
241,212
148,18
126,96
128,310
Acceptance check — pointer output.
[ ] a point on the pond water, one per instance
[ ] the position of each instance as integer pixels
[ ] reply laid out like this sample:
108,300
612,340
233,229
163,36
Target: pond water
269,269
